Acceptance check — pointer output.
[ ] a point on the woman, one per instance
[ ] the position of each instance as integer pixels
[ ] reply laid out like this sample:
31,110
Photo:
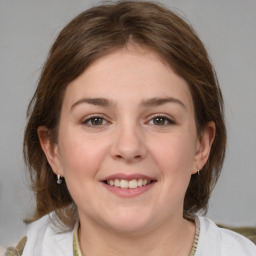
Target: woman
126,139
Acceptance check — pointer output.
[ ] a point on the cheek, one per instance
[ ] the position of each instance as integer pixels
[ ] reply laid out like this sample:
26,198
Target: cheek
81,159
80,155
174,154
174,157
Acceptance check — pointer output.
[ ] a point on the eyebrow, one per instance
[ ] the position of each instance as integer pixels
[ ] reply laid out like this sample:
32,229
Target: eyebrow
153,102
161,101
102,102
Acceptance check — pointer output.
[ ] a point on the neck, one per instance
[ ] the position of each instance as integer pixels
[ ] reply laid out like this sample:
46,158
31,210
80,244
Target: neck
173,238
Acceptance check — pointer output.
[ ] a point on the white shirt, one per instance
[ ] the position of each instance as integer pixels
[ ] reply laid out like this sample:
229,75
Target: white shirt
215,241
44,239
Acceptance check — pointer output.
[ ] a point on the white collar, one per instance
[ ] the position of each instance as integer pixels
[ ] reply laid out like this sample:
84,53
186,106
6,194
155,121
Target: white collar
45,239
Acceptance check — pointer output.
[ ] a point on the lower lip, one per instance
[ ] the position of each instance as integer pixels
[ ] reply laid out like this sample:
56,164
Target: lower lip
128,192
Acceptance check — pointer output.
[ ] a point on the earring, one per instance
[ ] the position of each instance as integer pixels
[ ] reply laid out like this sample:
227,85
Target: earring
198,172
59,180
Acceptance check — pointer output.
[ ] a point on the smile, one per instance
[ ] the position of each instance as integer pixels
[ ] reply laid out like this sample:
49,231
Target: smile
134,183
124,185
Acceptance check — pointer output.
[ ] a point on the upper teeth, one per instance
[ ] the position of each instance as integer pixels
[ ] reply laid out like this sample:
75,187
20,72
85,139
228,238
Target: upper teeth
128,184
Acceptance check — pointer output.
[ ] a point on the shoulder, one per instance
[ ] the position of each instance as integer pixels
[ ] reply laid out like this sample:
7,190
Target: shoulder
222,242
44,239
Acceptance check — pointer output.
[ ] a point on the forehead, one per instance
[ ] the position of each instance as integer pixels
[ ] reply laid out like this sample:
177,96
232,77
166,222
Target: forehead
133,73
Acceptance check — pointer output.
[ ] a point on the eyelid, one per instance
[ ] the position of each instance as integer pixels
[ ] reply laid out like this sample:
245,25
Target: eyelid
170,120
86,119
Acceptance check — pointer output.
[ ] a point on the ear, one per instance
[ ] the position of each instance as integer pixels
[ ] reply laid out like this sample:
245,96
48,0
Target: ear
50,149
204,144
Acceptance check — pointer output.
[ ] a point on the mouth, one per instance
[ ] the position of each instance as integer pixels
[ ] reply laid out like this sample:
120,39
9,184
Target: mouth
131,184
126,186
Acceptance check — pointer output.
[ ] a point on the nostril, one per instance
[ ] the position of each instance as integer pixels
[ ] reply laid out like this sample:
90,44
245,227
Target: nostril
128,158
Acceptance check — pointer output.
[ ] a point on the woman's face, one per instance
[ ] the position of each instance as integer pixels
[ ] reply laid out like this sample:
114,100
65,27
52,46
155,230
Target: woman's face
127,143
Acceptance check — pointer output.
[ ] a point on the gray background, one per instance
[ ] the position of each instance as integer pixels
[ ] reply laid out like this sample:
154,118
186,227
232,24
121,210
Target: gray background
228,29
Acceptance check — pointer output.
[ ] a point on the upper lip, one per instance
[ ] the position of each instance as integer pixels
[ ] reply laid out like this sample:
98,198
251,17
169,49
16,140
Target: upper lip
122,176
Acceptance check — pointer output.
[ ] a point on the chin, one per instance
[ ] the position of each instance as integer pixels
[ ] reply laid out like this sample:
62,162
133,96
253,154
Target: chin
129,221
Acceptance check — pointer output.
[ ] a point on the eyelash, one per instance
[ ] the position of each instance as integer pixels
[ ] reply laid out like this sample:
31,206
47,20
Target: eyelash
89,120
167,120
103,121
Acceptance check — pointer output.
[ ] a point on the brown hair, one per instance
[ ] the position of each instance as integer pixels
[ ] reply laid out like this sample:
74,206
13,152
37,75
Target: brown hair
93,34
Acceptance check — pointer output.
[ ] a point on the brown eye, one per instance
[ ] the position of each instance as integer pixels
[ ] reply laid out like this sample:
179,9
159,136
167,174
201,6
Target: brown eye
95,121
161,121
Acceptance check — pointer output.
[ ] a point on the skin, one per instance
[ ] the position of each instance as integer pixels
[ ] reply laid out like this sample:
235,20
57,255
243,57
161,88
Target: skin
132,134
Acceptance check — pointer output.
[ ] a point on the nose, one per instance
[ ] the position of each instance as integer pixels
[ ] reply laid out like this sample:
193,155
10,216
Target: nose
129,144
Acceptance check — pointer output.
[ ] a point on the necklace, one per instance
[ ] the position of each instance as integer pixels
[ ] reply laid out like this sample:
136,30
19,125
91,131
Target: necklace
76,247
193,218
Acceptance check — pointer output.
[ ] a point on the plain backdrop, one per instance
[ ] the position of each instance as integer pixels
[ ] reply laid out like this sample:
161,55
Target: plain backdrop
228,29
